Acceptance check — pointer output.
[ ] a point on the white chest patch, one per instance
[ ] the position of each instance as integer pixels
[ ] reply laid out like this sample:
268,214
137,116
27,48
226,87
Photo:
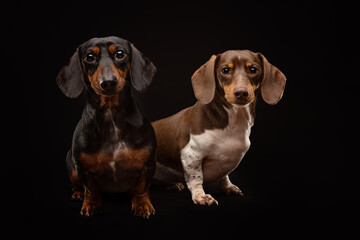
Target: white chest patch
220,150
114,134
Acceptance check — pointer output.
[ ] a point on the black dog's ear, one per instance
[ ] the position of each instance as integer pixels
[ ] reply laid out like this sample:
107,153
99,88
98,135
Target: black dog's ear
203,81
142,70
71,78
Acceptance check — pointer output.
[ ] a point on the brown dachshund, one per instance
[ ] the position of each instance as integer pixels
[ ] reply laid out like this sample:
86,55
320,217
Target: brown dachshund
206,142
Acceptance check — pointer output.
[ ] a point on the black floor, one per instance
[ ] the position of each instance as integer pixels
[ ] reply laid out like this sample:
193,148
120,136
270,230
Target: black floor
278,206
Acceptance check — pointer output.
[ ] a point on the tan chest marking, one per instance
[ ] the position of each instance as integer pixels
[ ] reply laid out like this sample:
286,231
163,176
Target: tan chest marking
127,158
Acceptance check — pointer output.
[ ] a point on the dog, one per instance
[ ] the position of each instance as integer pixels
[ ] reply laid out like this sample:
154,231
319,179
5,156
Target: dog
113,145
206,142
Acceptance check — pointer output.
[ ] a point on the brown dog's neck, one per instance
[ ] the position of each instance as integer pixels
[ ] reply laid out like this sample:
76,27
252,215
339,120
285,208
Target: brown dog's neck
209,116
215,115
216,111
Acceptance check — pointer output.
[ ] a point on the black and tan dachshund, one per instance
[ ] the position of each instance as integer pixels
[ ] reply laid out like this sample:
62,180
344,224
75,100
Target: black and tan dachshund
113,146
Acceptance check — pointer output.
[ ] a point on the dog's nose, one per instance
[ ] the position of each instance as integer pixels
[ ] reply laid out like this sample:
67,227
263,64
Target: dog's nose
241,93
108,83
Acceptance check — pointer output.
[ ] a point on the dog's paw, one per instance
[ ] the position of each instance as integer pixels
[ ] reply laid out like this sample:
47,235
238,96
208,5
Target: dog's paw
77,195
204,199
144,209
232,190
90,209
177,187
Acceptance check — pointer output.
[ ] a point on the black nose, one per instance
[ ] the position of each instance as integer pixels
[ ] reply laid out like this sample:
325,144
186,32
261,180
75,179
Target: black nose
108,83
241,93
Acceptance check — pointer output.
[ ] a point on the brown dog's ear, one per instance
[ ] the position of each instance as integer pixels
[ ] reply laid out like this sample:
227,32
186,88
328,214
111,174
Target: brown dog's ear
203,81
71,78
142,70
273,83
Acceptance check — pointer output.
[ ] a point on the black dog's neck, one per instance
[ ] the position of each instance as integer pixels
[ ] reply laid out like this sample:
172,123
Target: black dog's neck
101,102
120,107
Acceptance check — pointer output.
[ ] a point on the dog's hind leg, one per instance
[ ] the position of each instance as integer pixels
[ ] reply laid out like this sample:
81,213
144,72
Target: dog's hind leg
177,187
168,177
228,187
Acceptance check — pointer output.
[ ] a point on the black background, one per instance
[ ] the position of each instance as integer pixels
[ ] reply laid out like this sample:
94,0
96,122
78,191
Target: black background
293,176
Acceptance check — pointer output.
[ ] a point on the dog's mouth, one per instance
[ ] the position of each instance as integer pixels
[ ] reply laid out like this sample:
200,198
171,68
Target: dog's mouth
242,102
104,93
108,93
241,105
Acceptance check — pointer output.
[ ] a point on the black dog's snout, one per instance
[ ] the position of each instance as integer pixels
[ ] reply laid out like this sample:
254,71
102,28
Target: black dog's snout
108,83
241,93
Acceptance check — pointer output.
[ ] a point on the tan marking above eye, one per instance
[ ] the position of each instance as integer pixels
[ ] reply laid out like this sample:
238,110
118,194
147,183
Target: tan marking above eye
249,64
95,50
112,49
230,65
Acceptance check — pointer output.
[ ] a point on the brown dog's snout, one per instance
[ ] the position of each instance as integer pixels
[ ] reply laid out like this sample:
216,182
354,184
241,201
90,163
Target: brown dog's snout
108,83
241,93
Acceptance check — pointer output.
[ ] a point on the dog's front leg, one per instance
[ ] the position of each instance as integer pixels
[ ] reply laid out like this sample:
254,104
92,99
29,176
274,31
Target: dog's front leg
192,165
92,203
141,204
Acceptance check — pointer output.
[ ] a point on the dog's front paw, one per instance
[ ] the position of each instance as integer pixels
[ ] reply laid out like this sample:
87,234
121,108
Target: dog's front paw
77,195
90,209
203,199
232,190
143,209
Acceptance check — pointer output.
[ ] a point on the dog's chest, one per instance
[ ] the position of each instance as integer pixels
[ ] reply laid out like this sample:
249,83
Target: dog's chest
116,166
222,149
118,169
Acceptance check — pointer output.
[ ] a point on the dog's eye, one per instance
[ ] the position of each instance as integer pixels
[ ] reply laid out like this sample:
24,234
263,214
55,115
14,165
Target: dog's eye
253,70
119,55
89,58
225,70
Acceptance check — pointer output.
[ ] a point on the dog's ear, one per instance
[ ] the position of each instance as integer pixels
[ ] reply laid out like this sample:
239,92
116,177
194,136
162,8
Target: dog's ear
203,81
71,77
142,70
273,83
